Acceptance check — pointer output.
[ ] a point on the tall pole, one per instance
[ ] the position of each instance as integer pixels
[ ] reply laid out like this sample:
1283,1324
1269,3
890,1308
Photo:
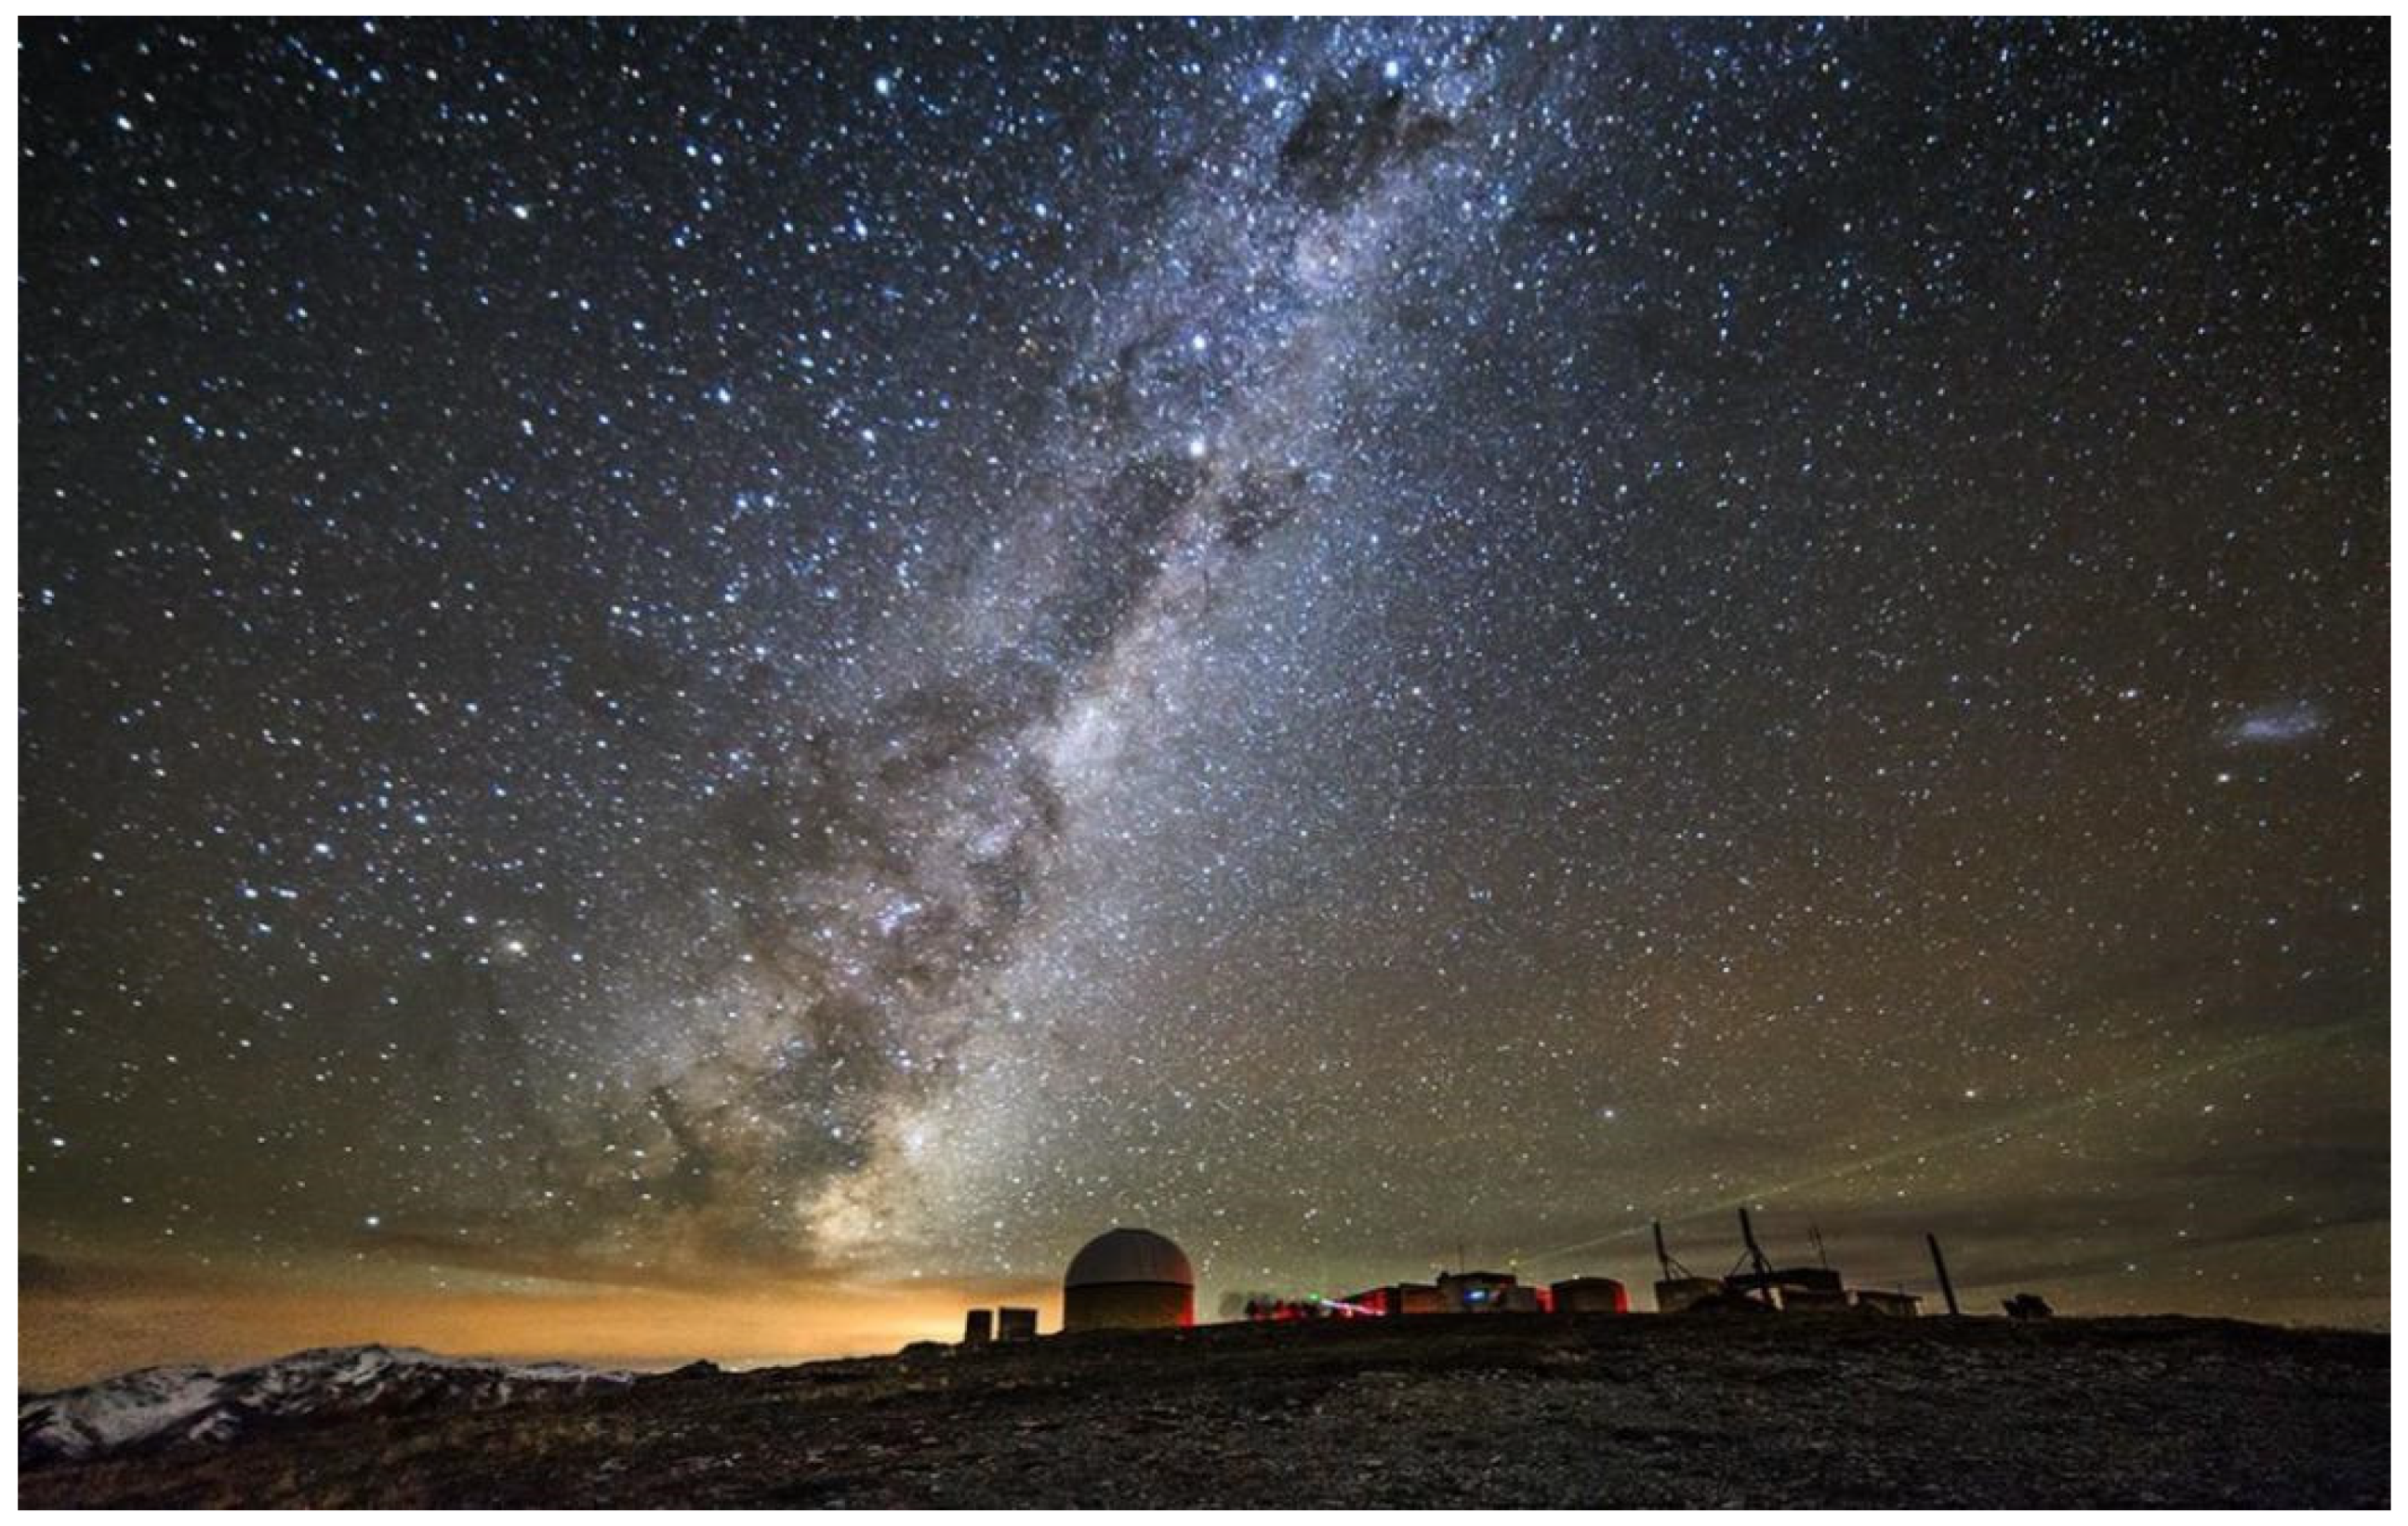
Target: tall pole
1755,1258
1940,1265
1755,1252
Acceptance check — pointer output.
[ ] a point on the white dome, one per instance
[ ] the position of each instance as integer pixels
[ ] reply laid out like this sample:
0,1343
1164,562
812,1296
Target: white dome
1129,1256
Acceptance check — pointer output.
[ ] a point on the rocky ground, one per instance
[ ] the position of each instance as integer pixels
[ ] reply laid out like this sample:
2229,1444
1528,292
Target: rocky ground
1505,1410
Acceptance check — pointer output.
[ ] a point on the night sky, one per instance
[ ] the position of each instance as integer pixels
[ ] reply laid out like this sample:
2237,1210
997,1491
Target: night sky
710,690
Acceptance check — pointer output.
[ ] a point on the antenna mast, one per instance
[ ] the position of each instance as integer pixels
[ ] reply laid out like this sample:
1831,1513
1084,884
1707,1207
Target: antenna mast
1663,1258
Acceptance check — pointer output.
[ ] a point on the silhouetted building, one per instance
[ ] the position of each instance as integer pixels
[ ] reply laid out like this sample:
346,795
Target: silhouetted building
1677,1295
1485,1292
1129,1280
1480,1292
1590,1295
1813,1301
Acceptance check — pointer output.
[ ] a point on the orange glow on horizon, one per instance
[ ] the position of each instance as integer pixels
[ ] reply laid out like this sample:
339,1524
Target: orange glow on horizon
65,1338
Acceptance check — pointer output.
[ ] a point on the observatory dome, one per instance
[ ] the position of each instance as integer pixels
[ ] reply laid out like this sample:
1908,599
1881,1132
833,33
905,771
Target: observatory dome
1129,1256
1129,1278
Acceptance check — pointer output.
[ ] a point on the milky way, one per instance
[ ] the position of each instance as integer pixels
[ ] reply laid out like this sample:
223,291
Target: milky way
665,654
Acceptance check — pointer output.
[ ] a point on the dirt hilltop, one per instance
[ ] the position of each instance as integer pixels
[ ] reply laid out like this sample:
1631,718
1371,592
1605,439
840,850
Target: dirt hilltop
1501,1410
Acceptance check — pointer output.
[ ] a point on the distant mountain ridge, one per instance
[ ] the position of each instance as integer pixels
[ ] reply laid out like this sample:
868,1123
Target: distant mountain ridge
160,1407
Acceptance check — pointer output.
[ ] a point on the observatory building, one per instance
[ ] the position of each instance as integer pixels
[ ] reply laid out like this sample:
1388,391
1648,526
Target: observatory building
1129,1280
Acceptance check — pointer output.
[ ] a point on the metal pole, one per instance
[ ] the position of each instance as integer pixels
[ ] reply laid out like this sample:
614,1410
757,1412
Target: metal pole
1755,1251
1940,1265
1755,1258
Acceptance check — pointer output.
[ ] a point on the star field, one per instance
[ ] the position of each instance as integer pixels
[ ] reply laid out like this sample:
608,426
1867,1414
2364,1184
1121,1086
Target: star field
684,656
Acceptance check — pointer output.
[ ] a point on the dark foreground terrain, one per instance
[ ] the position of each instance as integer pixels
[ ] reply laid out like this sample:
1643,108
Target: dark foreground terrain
1501,1410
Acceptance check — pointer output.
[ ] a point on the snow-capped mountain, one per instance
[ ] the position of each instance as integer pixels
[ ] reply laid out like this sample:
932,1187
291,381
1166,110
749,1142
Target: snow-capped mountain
173,1406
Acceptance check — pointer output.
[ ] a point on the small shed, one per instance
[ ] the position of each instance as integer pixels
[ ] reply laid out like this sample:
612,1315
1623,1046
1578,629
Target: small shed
1591,1295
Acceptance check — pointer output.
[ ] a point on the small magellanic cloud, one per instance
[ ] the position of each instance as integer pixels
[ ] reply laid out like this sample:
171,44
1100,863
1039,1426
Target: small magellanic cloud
2275,726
